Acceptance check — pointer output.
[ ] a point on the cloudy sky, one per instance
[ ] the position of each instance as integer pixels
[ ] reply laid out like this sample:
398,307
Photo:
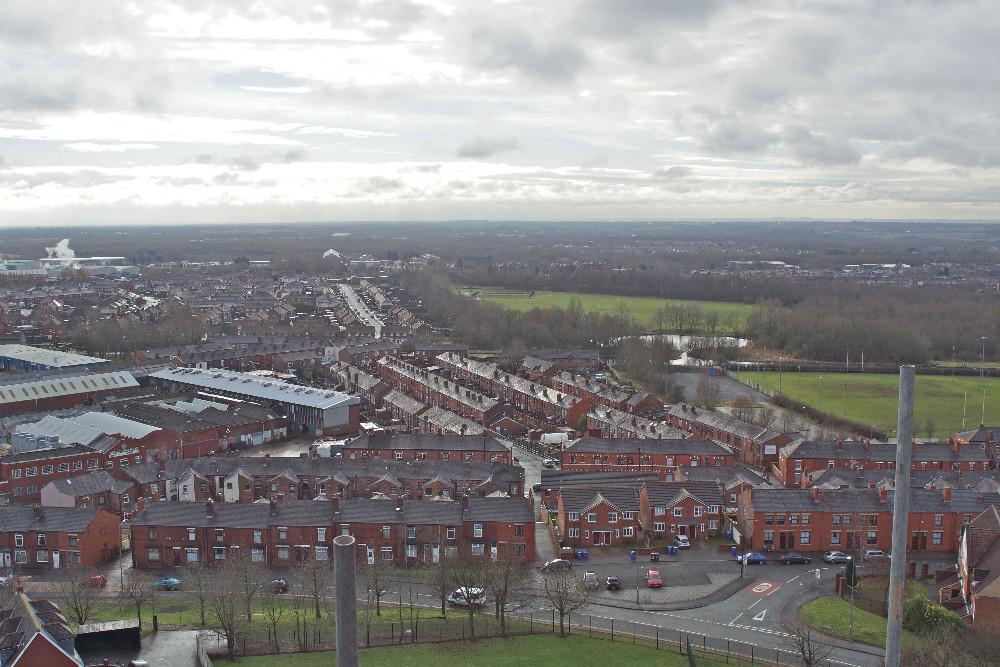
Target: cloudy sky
215,111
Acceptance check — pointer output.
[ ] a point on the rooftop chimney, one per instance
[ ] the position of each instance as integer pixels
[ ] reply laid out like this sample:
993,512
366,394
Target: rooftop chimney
882,494
273,507
870,485
210,509
816,494
37,513
840,445
955,445
946,494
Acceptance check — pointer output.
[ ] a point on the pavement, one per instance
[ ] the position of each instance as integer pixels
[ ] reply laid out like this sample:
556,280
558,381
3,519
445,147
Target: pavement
167,648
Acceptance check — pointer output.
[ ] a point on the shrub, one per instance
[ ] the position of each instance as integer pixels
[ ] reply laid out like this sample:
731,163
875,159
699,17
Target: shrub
920,615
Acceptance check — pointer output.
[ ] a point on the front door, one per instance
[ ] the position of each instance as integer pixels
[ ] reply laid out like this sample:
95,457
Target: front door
55,560
436,553
6,559
371,555
681,530
787,540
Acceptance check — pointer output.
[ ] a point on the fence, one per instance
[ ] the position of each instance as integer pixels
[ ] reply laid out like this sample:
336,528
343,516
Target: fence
204,660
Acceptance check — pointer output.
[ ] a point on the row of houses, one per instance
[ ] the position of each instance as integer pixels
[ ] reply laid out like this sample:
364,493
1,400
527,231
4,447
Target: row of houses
398,532
602,394
437,391
615,423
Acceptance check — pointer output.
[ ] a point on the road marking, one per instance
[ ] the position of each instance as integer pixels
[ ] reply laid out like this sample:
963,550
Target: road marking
736,619
760,616
764,588
793,579
754,605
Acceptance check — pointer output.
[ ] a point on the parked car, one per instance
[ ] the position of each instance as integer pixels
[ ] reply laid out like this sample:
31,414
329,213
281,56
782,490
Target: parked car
875,554
168,584
836,557
556,565
682,542
794,557
279,585
590,581
753,558
96,581
614,583
537,488
654,579
550,463
463,597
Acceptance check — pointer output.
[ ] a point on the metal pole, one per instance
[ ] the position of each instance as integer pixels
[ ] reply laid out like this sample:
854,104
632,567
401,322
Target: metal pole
901,516
850,614
344,564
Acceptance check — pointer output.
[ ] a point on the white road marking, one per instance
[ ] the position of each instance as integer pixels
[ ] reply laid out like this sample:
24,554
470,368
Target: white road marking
736,619
760,616
793,579
754,604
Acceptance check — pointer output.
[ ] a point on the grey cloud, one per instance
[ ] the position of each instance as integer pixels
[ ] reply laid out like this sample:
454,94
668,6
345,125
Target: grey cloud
674,172
484,148
738,137
508,47
253,162
960,151
811,148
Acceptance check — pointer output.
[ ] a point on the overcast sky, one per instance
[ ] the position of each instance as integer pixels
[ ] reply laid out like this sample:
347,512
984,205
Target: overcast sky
203,111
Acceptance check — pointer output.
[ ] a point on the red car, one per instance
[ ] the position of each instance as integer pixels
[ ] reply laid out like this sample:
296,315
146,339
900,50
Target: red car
654,579
96,581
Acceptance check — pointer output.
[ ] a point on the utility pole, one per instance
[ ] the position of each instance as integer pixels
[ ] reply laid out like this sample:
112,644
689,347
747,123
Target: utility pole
900,517
345,595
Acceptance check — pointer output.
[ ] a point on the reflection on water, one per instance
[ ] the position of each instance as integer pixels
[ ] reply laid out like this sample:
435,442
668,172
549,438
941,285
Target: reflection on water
685,344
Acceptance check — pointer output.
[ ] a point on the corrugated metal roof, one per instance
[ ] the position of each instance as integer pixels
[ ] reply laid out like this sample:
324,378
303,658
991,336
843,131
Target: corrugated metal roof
51,358
65,385
69,432
110,423
258,387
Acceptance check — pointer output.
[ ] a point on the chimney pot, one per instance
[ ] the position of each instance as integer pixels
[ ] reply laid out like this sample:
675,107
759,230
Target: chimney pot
882,494
946,494
210,509
816,494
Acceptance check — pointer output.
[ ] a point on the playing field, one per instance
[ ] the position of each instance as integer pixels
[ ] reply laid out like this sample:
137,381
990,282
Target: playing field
871,398
731,316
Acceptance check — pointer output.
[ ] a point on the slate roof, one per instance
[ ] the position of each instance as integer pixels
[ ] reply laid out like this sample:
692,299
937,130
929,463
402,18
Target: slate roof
514,510
879,451
24,618
867,500
419,441
557,479
235,515
94,482
580,498
648,446
405,403
53,519
669,493
447,512
724,474
369,510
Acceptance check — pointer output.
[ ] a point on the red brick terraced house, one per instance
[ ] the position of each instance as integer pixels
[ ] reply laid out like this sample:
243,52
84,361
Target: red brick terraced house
597,516
97,489
755,445
599,393
45,538
356,381
437,391
35,632
799,462
421,447
691,509
856,519
499,527
633,454
614,423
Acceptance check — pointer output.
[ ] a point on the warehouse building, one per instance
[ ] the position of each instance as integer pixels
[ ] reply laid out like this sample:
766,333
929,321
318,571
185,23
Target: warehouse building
61,391
28,359
307,409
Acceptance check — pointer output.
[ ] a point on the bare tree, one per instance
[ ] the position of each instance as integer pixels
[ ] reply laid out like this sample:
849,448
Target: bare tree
248,578
766,416
566,593
442,582
315,577
789,423
274,610
469,576
197,574
708,392
502,580
743,408
227,603
809,645
968,647
136,592
376,576
78,593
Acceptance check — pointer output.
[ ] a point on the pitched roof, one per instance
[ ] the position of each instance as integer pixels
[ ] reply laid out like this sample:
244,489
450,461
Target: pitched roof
867,500
234,515
252,385
94,482
670,493
515,510
52,519
582,498
413,441
648,446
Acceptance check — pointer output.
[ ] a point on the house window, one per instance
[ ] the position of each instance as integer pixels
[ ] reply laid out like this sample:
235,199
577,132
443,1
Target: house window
713,509
30,472
628,531
257,554
15,473
872,537
769,536
713,524
77,465
451,533
47,470
41,539
698,511
477,530
830,464
659,510
936,537
411,532
847,519
835,537
477,548
793,519
399,456
573,516
805,519
63,467
282,552
518,530
629,516
322,552
386,531
573,532
612,517
190,534
258,536
18,491
678,511
18,540
20,556
321,534
192,555
42,556
591,517
939,520
220,553
125,499
836,519
769,519
274,487
220,535
345,529
151,533
282,533
74,540
804,537
386,553
659,526
153,554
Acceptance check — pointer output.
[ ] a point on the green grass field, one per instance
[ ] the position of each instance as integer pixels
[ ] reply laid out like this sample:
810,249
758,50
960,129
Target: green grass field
642,308
547,650
832,616
873,398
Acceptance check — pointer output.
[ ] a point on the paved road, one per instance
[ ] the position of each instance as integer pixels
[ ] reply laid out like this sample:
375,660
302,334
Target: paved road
361,309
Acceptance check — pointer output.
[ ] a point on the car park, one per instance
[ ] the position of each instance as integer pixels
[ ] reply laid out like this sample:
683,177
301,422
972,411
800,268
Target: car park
875,554
556,565
590,581
682,542
753,558
794,557
96,581
168,584
654,579
464,597
836,557
613,583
